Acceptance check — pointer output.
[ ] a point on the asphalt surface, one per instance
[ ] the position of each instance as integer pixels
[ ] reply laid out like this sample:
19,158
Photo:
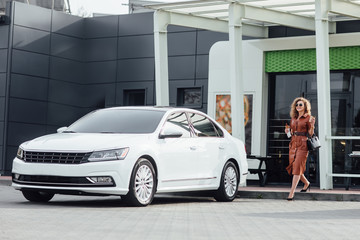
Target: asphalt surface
169,217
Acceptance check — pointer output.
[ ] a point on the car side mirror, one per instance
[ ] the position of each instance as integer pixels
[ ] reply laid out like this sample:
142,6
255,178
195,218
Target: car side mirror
170,133
62,129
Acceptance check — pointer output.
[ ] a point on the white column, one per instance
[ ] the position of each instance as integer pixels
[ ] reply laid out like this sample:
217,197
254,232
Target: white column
161,20
236,76
323,93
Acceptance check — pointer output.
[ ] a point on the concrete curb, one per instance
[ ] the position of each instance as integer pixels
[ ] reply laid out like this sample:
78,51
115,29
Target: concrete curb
315,196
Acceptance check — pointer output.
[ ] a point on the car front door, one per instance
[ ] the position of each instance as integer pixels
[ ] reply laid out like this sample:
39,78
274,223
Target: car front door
210,149
176,154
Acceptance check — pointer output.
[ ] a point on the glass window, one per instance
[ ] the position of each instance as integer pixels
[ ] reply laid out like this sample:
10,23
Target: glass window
203,127
189,97
118,121
179,122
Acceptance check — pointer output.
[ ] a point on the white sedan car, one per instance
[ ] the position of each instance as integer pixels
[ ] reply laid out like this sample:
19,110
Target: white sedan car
132,152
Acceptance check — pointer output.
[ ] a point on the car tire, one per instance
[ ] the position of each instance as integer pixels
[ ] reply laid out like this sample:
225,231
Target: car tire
228,184
142,186
34,196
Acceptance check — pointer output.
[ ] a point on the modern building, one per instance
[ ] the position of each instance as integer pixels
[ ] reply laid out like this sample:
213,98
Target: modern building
55,67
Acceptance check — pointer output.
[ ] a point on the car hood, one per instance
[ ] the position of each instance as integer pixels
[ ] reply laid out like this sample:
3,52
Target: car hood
84,142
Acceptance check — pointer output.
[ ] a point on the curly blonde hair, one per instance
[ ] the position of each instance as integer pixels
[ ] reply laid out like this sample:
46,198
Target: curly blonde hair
294,113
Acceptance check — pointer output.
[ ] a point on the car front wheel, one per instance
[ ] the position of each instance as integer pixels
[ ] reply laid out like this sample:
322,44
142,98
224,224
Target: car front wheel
228,183
34,196
142,184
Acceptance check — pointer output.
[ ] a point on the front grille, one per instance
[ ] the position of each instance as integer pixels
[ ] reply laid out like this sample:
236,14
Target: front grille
56,157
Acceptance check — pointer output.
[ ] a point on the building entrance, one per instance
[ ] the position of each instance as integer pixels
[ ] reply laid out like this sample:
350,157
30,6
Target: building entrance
345,121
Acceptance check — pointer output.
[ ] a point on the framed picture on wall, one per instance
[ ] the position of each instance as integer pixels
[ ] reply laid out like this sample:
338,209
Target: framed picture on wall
223,115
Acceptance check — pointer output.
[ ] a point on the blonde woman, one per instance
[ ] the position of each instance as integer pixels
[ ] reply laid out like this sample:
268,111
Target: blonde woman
301,125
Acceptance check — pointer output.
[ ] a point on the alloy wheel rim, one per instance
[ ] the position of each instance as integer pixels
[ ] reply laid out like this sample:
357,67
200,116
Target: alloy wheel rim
230,181
144,184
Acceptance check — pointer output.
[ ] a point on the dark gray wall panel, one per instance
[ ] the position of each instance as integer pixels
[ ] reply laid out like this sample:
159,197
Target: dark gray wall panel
101,26
202,66
182,67
28,87
3,60
67,47
2,84
136,69
102,49
2,108
31,40
28,132
68,114
1,135
136,46
30,63
101,72
100,95
67,70
68,24
32,16
206,39
27,111
2,160
136,24
148,86
65,93
183,43
204,84
4,39
10,153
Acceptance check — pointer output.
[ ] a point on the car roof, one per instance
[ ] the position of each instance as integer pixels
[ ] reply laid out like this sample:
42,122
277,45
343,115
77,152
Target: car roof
154,108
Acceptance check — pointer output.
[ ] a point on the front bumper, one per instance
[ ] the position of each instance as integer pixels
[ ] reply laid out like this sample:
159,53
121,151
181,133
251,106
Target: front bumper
73,178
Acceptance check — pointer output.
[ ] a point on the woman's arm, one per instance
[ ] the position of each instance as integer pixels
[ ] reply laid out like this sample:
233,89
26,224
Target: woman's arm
311,125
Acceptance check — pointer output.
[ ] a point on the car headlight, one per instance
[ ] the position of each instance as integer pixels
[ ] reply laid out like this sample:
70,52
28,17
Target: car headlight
20,153
108,155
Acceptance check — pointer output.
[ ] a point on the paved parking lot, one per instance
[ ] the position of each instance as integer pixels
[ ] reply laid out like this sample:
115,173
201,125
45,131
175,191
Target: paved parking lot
73,217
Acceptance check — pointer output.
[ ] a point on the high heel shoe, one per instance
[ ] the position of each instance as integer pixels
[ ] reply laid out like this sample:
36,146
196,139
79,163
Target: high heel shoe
305,190
290,199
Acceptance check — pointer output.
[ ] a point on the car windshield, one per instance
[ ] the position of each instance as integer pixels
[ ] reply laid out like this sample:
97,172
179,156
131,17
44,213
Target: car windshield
118,121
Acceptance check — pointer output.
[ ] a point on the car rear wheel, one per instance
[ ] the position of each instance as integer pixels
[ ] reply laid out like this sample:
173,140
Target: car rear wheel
228,184
34,196
142,184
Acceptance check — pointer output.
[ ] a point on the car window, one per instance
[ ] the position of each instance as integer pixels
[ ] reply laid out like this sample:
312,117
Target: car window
219,131
179,122
118,121
203,127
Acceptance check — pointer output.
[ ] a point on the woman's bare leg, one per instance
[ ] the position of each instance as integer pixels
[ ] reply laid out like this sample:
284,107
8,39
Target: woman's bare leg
304,180
295,181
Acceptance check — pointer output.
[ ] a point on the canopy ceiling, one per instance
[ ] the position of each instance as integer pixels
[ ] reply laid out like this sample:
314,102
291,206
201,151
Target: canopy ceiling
261,13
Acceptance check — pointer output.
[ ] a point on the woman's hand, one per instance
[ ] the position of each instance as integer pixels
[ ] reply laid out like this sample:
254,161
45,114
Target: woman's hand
312,120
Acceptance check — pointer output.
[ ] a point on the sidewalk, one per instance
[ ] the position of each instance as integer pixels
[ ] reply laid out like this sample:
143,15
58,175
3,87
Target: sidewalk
281,192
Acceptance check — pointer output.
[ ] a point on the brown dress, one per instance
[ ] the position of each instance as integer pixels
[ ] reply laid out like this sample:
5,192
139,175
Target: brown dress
298,150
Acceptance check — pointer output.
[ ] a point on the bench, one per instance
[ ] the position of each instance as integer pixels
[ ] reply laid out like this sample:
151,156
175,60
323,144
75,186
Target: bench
262,173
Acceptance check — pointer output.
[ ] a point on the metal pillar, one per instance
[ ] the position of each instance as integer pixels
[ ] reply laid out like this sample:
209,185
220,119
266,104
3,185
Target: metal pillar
161,20
323,92
236,68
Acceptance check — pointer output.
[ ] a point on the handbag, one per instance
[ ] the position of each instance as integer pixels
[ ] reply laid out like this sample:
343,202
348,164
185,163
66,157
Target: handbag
313,143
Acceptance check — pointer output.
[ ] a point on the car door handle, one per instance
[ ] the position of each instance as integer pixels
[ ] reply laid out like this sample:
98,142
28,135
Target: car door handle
221,147
193,147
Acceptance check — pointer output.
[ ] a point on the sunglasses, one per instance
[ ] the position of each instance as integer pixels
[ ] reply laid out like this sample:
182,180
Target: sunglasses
299,105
